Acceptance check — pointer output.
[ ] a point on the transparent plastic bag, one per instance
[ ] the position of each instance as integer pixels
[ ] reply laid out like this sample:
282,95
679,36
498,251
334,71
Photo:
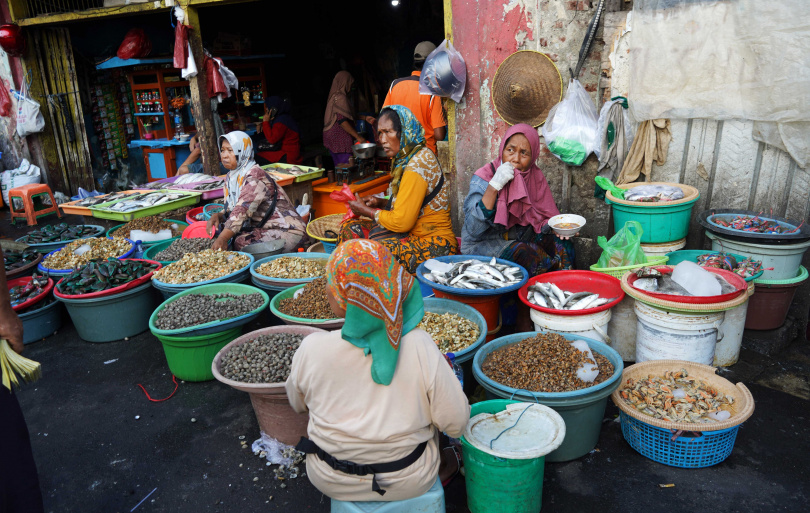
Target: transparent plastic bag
602,127
653,193
624,248
571,128
444,73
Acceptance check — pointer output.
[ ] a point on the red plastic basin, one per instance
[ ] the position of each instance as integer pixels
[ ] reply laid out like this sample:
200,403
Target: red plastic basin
577,281
737,281
31,300
115,290
196,230
191,214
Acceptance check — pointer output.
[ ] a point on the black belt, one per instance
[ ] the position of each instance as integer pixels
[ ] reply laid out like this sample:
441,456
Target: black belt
307,446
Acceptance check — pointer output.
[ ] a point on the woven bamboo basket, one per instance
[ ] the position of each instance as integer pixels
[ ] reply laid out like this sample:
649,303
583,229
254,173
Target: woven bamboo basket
741,409
317,228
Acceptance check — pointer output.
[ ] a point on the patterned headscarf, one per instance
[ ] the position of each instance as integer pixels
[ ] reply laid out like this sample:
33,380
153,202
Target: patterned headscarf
243,149
411,141
380,300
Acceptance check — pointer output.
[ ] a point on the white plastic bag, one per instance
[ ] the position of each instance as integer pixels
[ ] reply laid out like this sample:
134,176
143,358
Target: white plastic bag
603,120
29,118
444,73
23,175
571,127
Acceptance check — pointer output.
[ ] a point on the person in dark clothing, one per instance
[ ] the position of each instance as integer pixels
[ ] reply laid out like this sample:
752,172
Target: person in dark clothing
19,483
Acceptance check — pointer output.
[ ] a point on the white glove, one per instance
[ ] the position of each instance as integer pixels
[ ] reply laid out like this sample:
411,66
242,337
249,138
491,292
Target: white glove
503,175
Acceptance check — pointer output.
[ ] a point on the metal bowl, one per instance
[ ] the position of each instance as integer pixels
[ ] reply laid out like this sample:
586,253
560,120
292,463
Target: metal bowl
364,151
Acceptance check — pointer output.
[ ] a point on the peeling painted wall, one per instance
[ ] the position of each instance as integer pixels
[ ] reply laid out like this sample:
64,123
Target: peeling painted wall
486,33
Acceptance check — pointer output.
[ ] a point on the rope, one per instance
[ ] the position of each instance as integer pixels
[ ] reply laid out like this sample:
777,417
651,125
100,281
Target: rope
176,385
510,427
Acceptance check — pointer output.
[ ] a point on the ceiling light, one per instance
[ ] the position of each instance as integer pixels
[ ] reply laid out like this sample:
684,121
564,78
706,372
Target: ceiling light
395,2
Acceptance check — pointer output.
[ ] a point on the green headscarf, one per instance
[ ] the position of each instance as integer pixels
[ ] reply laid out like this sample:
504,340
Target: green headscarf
380,300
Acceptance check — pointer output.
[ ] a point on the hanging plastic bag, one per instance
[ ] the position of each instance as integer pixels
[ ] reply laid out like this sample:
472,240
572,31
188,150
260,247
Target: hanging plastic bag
571,127
345,195
624,248
29,118
444,73
134,45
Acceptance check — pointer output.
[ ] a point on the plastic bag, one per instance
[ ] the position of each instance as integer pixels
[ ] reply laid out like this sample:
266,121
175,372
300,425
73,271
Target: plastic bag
571,127
444,73
23,175
624,248
345,195
29,118
134,45
602,129
654,193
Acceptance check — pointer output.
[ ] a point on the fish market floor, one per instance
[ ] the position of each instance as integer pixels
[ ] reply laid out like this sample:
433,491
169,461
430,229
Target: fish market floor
101,446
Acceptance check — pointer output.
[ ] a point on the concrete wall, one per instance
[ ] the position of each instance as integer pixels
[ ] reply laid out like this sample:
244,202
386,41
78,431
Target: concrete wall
13,147
486,32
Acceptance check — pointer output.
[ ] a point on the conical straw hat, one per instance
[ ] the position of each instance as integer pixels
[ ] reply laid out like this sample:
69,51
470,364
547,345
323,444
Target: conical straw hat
526,86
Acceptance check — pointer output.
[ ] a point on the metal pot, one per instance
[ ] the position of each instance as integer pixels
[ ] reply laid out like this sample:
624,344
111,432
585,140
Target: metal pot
364,151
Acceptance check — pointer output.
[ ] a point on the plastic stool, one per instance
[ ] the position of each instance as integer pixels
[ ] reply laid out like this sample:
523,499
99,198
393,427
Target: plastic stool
27,194
431,501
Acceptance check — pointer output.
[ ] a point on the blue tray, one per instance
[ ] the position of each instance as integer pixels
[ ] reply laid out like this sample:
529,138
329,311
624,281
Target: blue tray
214,326
284,282
228,278
422,270
60,272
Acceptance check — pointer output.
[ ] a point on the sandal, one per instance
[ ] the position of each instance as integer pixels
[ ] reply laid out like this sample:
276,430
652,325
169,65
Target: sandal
459,463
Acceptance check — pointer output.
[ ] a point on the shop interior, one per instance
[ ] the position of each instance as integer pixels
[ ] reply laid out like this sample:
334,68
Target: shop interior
295,57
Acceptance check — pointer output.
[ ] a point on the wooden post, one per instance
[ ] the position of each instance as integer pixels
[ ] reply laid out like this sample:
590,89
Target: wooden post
204,117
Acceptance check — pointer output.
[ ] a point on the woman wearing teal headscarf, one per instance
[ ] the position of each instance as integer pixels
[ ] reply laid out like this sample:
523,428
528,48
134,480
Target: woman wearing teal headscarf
379,391
415,224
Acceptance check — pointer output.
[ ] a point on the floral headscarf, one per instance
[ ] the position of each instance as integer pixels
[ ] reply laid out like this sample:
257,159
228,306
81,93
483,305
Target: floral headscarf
243,149
380,300
411,141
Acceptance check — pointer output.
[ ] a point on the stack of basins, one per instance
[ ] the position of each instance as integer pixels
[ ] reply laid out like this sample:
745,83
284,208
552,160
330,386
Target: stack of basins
195,324
31,298
778,243
277,273
204,268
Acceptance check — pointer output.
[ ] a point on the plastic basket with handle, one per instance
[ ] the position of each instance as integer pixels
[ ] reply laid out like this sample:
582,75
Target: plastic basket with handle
618,272
211,209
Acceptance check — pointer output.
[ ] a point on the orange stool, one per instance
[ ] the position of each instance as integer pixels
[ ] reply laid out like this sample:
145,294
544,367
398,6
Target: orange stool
27,194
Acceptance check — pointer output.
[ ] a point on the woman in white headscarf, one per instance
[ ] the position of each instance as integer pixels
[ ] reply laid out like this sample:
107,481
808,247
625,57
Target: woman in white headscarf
256,208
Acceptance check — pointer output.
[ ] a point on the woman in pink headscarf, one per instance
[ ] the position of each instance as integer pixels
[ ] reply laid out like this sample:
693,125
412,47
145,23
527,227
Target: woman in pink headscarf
507,210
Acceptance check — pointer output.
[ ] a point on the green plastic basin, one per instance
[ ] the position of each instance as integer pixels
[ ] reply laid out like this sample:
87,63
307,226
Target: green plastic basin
113,317
153,250
582,410
499,485
190,358
661,222
676,257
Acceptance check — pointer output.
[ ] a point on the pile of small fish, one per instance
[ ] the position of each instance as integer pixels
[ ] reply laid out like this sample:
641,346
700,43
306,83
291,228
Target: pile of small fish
473,274
196,309
549,295
676,397
100,275
151,224
451,332
746,268
104,198
148,200
22,293
293,268
58,233
203,266
180,247
753,224
16,259
79,252
209,186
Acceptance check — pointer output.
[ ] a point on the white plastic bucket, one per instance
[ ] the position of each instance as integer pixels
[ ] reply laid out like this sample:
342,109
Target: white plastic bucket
727,351
589,325
784,258
622,329
658,250
663,335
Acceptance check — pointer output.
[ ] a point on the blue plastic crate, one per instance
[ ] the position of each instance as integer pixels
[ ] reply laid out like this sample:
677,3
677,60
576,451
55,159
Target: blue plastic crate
685,451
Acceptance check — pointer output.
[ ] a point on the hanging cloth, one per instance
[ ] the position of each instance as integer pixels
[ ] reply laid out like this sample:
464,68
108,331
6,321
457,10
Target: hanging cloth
181,46
650,145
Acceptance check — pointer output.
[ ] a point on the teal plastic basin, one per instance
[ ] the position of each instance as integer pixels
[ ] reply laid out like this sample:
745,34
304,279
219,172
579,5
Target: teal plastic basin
661,222
42,322
582,410
113,317
239,276
676,257
443,306
190,358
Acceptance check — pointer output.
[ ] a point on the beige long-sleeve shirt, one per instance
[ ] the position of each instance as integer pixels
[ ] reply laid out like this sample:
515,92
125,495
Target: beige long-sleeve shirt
352,418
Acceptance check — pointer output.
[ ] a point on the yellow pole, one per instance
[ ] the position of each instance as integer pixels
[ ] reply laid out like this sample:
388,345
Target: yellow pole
450,105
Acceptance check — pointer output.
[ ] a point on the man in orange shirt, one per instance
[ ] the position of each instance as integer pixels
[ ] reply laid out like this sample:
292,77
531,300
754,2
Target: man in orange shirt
426,107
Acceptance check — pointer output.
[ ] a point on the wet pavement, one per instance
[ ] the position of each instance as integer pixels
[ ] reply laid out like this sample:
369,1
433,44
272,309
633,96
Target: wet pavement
102,446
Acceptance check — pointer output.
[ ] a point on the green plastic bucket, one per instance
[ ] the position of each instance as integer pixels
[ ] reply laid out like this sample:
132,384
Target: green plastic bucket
109,318
661,223
500,485
190,358
582,410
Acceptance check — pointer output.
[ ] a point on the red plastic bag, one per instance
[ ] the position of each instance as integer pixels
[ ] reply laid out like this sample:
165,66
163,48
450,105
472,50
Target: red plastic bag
135,45
5,100
345,195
